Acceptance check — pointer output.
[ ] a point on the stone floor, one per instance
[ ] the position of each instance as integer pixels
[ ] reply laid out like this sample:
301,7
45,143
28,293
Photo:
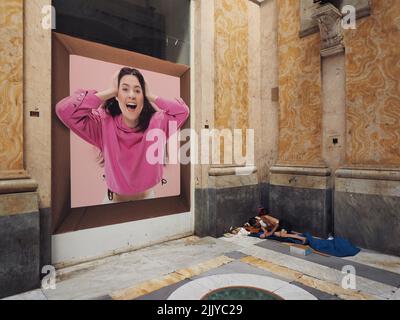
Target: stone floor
191,267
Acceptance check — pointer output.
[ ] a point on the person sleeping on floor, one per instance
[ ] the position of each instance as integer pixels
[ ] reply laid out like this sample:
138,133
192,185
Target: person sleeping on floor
265,226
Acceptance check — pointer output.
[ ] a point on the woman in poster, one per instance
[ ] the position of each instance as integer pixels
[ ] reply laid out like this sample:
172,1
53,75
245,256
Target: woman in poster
117,121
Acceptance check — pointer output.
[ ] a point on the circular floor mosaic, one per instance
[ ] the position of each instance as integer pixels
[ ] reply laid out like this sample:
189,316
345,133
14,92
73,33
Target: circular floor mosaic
239,286
240,293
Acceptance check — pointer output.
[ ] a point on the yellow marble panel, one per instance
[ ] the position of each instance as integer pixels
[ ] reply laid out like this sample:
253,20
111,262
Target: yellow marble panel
293,275
152,285
300,118
11,78
37,78
231,96
373,87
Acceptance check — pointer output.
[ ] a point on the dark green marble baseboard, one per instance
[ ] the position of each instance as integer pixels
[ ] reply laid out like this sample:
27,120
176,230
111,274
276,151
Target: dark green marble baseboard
19,253
369,221
218,209
304,209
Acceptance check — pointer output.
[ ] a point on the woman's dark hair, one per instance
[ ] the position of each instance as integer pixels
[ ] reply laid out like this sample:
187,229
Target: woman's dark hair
111,105
261,211
253,221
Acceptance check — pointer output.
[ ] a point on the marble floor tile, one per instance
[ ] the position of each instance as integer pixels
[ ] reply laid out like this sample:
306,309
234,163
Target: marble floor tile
292,292
127,269
334,289
30,295
377,260
239,267
189,258
396,295
319,271
242,241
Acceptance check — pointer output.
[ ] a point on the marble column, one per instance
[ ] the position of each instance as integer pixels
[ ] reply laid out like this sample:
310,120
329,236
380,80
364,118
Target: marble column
300,191
329,20
333,85
19,212
267,125
229,192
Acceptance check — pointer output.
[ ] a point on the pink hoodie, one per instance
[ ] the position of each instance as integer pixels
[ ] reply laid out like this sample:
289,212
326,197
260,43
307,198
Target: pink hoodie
126,168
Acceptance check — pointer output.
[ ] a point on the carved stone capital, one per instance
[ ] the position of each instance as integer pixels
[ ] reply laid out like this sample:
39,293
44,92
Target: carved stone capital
329,21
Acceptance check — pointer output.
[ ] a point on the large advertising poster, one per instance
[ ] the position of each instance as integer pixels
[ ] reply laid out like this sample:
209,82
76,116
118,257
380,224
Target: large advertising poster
88,185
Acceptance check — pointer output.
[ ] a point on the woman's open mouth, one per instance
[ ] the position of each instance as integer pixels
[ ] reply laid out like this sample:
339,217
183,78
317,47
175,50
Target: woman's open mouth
131,106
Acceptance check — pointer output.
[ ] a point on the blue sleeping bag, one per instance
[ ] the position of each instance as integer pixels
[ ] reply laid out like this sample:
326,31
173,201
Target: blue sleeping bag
338,247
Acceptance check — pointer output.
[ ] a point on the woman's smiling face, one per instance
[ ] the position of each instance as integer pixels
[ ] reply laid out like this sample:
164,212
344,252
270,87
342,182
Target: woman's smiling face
131,99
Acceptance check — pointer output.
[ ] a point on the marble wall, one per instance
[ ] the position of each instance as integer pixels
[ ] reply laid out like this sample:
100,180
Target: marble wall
367,208
37,79
373,87
229,71
372,74
202,79
11,85
267,128
19,212
255,108
300,122
231,97
231,64
25,71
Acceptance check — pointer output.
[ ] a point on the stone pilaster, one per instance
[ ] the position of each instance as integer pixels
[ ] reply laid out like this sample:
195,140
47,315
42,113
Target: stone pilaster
19,205
229,191
299,186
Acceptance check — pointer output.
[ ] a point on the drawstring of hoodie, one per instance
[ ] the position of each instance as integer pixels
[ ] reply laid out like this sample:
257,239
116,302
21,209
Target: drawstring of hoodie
110,195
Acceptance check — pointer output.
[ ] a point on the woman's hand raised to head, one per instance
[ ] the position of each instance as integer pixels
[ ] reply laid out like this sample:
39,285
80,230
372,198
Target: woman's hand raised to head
114,83
112,91
152,98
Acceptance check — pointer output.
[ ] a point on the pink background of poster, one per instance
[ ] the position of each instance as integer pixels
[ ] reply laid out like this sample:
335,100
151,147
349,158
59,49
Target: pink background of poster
88,187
